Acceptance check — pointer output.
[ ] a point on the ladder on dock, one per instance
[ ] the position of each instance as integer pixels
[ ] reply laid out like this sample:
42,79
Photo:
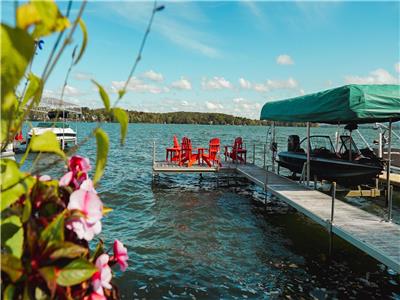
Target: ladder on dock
364,230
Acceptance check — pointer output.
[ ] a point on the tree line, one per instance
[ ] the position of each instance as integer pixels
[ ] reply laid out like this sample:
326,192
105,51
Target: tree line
181,117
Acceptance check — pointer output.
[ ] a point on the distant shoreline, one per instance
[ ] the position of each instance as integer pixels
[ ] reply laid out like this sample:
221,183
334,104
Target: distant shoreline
195,118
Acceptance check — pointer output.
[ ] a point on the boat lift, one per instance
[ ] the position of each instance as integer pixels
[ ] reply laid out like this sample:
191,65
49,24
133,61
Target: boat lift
51,107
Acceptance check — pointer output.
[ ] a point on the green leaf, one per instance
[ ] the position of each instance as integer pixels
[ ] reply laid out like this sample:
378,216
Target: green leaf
49,274
98,251
33,90
122,118
54,232
40,294
82,25
103,95
12,235
69,250
12,266
26,212
51,20
75,272
17,48
13,184
9,292
102,152
46,142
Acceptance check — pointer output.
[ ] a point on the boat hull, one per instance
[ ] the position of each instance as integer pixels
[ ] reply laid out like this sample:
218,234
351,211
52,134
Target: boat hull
343,172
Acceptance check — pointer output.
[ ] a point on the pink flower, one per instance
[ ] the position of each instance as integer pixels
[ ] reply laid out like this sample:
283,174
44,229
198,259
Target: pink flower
86,200
121,255
78,163
66,179
87,185
97,296
101,279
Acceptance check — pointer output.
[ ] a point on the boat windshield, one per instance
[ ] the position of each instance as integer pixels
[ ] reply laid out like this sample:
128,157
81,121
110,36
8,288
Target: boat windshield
346,140
319,144
52,125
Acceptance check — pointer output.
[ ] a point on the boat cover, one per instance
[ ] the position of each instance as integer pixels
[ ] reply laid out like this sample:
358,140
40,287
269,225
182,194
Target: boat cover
351,103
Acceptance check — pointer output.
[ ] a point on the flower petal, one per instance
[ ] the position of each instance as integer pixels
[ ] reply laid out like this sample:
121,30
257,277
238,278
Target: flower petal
66,179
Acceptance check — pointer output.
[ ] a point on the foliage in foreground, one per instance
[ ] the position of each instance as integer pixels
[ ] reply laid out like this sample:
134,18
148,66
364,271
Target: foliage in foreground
47,224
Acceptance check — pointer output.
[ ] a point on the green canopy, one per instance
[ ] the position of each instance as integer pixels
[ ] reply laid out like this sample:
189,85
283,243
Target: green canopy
346,104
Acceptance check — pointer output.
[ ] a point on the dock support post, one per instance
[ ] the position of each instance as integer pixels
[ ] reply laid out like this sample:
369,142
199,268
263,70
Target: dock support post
254,153
333,205
388,167
266,187
264,154
154,152
273,146
308,154
380,145
332,216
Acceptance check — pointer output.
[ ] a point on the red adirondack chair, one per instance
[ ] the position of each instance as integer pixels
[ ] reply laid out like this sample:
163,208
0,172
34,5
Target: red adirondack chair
237,153
212,157
173,153
186,153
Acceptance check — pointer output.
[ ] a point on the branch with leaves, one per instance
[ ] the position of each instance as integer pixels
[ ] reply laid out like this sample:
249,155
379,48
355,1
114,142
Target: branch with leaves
47,223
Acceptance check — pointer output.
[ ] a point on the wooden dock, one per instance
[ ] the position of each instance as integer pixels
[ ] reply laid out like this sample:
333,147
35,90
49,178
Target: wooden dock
368,232
394,179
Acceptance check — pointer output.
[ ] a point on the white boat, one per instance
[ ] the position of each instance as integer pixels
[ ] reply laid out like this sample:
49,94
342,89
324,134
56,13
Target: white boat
65,134
8,152
55,113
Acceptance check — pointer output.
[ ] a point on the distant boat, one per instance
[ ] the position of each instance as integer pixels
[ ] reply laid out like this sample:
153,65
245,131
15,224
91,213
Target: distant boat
65,134
8,152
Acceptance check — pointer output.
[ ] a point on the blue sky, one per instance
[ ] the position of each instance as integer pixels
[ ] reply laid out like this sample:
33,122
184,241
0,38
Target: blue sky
227,57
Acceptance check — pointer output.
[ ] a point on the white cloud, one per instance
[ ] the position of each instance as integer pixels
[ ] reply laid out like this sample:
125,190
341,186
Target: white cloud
72,91
245,108
83,76
397,67
182,84
270,85
137,85
378,76
216,83
213,105
261,88
282,84
154,76
245,84
284,59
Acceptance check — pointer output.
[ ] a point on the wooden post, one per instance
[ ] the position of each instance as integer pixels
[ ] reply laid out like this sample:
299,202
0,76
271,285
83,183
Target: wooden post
308,154
388,167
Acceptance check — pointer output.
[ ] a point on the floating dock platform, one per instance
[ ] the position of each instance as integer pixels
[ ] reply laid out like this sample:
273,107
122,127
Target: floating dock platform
368,232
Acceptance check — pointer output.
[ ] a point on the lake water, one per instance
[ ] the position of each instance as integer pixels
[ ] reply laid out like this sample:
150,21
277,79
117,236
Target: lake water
191,239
